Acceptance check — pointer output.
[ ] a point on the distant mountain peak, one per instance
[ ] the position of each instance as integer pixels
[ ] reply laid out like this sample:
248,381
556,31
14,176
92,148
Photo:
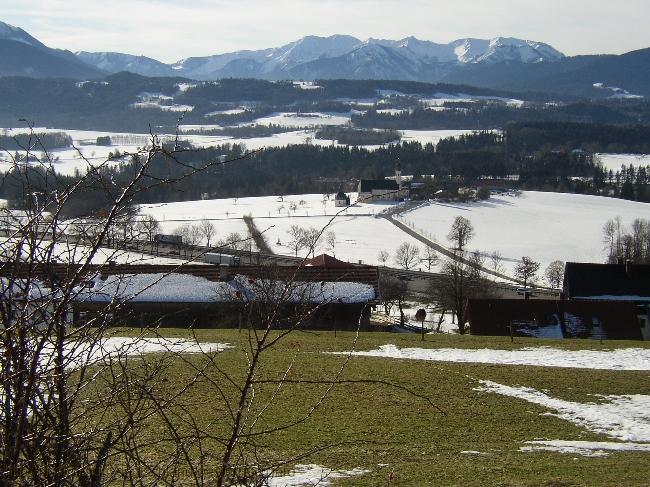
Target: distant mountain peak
11,33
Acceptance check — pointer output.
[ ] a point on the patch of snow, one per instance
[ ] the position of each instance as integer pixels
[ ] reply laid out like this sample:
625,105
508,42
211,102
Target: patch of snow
164,108
625,417
183,87
306,85
439,99
613,162
617,93
617,359
311,475
138,345
583,448
392,111
81,84
431,136
231,111
315,119
78,354
199,128
273,217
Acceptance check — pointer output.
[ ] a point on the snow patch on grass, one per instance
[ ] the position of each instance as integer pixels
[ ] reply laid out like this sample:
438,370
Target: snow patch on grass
618,359
583,448
308,475
78,354
625,417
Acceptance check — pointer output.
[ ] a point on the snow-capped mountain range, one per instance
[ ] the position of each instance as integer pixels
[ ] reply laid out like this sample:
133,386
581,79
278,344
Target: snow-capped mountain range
336,56
502,63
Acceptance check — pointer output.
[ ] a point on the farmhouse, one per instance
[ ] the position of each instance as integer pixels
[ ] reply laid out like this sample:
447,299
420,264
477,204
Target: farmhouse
383,189
601,301
554,318
625,282
323,296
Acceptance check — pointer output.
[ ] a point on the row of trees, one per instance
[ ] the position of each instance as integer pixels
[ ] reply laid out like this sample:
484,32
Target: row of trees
300,238
462,275
627,243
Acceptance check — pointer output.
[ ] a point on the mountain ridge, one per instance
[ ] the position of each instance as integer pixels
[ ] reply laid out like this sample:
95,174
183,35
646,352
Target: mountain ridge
500,63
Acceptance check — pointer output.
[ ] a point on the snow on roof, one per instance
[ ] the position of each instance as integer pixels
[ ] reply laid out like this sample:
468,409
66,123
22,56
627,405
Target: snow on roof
186,288
154,288
19,289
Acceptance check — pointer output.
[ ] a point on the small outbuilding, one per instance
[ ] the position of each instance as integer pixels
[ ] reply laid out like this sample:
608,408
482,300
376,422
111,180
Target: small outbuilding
341,200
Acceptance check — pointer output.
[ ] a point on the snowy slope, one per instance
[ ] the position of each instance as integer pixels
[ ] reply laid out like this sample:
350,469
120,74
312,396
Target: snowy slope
359,234
544,226
114,62
613,162
11,33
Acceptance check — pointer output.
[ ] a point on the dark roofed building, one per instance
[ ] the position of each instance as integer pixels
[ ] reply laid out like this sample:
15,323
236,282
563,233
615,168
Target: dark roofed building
610,282
369,185
341,199
383,189
328,262
614,320
380,190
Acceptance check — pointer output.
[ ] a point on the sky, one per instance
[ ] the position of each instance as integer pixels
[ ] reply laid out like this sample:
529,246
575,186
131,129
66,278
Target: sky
170,30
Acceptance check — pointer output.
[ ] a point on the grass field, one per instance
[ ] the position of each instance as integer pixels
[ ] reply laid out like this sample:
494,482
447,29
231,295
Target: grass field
474,441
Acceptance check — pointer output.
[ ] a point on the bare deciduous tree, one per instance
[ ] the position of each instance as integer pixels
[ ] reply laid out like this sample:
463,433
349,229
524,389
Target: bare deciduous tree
207,231
383,257
460,281
393,292
330,239
149,226
526,272
496,262
296,239
554,274
311,237
234,241
407,256
461,232
430,256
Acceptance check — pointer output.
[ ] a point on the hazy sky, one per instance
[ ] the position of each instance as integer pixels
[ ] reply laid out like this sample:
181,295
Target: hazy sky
169,30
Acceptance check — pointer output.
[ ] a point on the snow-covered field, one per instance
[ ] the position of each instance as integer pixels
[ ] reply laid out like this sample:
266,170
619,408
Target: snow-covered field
431,136
440,99
360,235
66,161
304,119
543,226
64,252
613,162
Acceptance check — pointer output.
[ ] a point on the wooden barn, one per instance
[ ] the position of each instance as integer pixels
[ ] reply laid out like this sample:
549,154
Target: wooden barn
206,296
554,318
